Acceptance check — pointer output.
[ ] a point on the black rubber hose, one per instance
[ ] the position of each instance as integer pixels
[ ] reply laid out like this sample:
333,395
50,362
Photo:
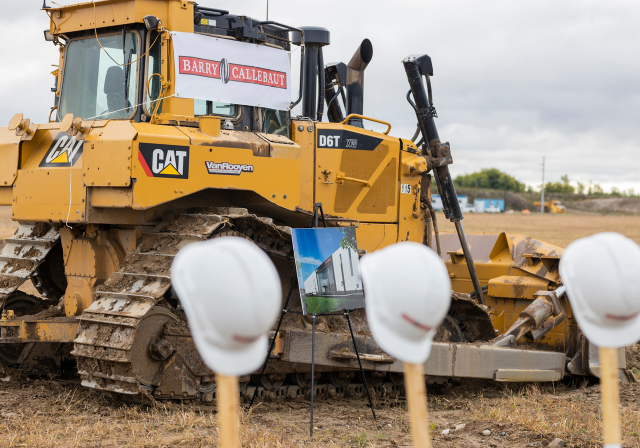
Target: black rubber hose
320,84
415,136
474,295
334,97
435,226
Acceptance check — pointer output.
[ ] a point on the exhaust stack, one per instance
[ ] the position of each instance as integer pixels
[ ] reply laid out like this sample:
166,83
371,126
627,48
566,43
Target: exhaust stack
355,80
315,38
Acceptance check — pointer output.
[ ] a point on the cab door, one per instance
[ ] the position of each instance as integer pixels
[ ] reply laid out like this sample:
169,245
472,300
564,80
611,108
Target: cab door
356,173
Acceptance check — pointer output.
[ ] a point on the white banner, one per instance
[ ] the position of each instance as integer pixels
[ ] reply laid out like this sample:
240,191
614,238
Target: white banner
228,71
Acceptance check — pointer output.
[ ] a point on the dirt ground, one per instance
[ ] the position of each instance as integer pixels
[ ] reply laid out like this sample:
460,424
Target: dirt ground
40,412
558,229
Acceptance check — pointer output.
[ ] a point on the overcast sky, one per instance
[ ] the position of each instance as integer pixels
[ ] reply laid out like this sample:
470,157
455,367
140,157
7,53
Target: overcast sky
513,80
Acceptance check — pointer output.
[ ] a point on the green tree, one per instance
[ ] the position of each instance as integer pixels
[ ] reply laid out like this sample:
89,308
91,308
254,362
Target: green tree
490,178
560,187
580,188
349,238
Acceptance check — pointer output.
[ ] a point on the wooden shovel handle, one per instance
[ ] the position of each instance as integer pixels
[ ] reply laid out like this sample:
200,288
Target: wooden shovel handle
610,396
417,401
227,395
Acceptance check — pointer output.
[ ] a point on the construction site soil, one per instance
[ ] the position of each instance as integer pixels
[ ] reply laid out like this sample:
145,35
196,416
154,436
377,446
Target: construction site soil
59,412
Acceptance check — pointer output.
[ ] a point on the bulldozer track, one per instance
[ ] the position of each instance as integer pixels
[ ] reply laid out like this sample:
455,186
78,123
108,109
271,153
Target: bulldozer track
105,347
23,253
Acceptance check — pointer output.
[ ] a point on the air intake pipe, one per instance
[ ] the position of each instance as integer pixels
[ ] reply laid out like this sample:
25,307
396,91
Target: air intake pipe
355,80
314,39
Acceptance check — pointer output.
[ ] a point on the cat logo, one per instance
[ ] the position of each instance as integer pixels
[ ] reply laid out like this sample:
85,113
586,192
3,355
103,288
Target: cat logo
63,152
164,160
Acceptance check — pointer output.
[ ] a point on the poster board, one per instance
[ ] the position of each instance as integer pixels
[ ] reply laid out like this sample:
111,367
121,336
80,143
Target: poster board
328,269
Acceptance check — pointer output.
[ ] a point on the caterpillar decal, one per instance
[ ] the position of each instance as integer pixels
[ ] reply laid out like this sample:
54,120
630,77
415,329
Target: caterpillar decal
164,160
63,152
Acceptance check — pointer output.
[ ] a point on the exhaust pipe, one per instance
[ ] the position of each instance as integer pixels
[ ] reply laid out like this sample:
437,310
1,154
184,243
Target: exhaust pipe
355,80
314,39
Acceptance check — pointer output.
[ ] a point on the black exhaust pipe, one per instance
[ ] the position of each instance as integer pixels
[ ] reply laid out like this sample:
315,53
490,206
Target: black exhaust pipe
314,39
355,80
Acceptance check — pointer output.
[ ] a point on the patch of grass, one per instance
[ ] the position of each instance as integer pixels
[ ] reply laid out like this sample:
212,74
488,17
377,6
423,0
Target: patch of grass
71,421
358,439
577,418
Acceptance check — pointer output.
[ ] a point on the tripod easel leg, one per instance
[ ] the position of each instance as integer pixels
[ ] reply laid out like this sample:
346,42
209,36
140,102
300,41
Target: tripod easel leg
366,386
313,353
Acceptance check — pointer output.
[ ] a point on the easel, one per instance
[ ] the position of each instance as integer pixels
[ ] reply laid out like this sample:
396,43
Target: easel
314,224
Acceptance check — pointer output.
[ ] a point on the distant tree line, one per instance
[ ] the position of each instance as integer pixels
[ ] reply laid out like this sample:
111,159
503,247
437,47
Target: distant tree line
493,178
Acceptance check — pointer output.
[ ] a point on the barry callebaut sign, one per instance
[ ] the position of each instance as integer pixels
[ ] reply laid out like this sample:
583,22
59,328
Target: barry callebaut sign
227,71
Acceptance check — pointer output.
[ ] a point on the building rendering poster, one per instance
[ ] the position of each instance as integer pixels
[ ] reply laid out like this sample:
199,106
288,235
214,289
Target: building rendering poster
328,269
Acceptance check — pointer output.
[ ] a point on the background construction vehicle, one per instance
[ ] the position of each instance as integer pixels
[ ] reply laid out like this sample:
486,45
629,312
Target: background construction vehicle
99,228
551,206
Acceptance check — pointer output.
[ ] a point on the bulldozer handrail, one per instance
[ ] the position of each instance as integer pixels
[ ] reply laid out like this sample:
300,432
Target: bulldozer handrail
349,117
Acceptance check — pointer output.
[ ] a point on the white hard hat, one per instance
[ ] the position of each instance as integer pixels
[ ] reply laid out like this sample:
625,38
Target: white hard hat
602,276
407,295
231,293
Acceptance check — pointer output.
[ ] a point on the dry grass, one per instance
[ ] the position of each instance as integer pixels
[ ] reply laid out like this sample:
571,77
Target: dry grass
555,229
575,416
80,418
43,413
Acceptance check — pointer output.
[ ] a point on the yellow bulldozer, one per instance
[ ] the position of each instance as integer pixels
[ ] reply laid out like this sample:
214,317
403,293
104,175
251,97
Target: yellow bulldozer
135,162
551,206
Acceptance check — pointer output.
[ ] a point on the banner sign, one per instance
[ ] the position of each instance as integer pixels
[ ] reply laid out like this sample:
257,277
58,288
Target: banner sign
228,71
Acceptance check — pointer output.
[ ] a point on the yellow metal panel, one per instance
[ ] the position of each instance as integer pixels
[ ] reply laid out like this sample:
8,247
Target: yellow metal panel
58,330
107,155
411,218
9,152
111,197
372,237
265,177
516,286
6,195
305,140
82,16
107,13
180,19
166,135
378,168
280,147
181,16
44,195
34,150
